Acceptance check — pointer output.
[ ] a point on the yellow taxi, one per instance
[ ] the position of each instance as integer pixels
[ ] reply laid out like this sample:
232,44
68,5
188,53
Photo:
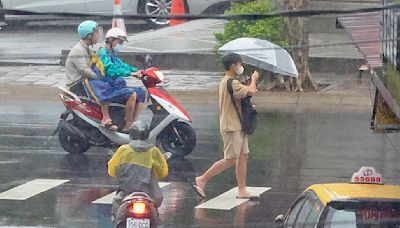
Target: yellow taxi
365,202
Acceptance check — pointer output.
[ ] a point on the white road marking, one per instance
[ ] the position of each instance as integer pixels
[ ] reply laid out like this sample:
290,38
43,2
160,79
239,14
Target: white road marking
10,162
227,200
30,189
107,199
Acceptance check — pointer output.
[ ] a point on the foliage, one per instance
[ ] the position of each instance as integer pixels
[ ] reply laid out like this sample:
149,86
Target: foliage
269,29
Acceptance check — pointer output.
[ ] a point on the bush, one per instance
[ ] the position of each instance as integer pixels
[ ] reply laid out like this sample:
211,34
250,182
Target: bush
271,29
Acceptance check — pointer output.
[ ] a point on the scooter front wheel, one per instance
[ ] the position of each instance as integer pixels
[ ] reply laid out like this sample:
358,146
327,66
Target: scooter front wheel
179,138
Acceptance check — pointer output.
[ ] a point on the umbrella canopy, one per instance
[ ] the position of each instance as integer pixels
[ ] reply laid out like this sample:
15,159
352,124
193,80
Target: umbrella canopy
263,54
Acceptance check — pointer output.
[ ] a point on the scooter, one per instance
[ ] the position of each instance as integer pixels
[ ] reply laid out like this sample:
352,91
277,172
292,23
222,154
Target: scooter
137,210
79,129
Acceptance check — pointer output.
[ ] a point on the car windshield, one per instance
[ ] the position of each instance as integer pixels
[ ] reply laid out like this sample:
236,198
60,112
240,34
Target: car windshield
364,216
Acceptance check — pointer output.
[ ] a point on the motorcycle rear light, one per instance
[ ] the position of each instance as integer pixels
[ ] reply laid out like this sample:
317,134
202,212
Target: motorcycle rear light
139,209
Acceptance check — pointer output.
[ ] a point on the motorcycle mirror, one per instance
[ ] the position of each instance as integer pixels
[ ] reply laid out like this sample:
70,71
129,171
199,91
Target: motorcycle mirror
148,60
141,59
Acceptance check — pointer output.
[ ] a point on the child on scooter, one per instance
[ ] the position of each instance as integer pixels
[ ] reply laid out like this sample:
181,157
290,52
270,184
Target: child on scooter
137,167
112,87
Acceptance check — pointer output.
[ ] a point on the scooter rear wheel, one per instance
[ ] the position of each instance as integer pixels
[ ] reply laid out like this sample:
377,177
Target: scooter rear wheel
70,143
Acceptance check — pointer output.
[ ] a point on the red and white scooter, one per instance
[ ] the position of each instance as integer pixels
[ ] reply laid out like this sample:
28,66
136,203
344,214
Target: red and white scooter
79,125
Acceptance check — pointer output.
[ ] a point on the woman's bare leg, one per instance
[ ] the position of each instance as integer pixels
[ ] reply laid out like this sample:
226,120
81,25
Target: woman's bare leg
138,109
129,110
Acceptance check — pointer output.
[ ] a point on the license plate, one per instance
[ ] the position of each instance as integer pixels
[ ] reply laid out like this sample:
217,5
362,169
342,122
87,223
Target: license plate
137,223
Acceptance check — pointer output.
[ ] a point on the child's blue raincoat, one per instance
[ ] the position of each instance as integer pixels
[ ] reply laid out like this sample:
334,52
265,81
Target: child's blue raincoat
111,71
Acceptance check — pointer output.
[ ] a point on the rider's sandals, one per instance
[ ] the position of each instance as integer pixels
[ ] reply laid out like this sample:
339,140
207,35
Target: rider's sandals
109,125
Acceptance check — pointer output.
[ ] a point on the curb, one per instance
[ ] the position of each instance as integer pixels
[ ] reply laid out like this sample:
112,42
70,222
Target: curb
14,63
180,61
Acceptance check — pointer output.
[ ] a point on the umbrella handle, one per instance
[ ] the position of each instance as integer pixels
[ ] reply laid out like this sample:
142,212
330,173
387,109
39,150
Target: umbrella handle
258,68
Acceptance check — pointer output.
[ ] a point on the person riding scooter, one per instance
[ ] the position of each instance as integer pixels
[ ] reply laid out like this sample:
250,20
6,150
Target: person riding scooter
78,61
112,87
137,167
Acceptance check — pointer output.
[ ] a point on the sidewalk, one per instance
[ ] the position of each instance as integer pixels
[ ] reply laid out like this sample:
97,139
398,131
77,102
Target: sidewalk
54,76
187,81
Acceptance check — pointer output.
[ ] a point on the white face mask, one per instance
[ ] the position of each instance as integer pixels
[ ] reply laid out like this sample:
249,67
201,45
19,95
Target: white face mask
117,48
240,70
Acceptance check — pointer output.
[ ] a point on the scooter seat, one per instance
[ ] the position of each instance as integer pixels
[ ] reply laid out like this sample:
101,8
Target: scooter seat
138,195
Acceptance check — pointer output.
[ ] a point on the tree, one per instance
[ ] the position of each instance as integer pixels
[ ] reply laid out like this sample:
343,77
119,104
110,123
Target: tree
298,36
269,29
292,31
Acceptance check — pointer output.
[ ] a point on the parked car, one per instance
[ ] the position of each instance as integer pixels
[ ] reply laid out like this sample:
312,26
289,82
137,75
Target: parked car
364,202
132,7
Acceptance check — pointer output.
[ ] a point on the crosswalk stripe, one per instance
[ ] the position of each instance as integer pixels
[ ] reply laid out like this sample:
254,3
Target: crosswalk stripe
31,188
227,200
107,199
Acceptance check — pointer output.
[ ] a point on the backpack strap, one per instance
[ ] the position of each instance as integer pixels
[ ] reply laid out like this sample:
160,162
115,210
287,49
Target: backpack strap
111,55
230,91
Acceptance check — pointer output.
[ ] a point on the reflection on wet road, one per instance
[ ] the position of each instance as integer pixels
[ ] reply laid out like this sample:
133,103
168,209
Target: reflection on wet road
292,148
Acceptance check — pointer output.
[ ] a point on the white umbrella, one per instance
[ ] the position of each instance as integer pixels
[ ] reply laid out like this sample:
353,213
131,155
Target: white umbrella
263,54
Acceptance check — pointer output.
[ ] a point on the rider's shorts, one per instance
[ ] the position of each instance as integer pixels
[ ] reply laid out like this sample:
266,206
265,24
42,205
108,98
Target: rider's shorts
140,95
122,99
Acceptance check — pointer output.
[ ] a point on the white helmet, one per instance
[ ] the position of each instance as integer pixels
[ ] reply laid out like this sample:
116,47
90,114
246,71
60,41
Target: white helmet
117,33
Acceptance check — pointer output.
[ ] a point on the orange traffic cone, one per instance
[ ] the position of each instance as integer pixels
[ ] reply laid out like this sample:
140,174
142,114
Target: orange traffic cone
178,8
118,22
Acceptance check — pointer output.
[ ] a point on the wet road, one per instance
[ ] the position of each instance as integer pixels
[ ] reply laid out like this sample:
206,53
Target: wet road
293,148
43,44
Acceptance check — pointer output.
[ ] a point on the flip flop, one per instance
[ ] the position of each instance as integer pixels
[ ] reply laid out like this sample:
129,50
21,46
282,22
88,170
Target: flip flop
199,191
109,125
249,197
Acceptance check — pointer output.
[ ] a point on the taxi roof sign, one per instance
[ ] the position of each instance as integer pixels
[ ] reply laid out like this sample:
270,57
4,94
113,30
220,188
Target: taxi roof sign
367,175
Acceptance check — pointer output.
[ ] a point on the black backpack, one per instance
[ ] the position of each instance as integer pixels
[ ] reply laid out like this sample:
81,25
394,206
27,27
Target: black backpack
248,119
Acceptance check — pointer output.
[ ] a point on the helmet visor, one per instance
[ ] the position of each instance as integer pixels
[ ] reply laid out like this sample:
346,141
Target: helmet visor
124,38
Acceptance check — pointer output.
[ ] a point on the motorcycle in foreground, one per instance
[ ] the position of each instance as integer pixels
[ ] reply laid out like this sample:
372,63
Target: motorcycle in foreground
137,210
